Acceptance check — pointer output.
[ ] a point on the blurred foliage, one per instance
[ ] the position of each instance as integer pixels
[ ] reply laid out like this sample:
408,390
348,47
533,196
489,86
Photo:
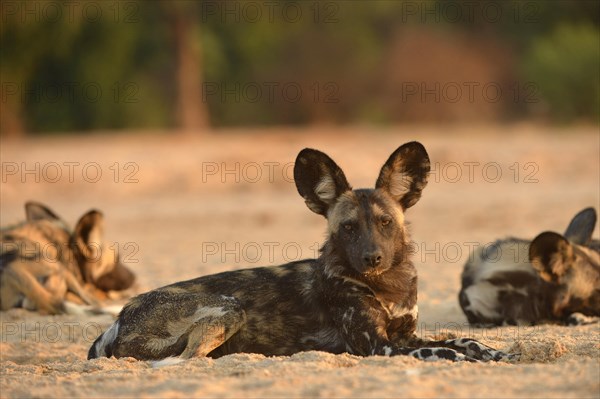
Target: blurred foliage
78,66
566,66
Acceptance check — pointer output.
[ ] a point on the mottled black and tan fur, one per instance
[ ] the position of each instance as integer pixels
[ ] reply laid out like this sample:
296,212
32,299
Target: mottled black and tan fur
359,296
42,261
552,279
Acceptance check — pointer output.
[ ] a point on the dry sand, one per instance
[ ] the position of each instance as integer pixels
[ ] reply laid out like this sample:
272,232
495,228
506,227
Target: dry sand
174,222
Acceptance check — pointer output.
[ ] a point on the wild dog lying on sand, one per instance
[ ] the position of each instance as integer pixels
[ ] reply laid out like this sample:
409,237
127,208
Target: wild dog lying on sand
359,296
553,278
41,261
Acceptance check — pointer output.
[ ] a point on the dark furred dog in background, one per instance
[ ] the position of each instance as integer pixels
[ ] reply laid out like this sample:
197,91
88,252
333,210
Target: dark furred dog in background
359,296
553,278
42,261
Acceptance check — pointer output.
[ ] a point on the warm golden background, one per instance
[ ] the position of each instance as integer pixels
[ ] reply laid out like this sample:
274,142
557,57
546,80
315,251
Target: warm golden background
181,120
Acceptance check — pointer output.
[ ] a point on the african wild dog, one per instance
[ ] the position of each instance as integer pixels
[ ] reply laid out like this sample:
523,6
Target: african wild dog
41,261
550,279
359,296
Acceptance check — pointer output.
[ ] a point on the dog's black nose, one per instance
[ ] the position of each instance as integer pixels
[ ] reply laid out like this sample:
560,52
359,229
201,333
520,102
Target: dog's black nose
372,258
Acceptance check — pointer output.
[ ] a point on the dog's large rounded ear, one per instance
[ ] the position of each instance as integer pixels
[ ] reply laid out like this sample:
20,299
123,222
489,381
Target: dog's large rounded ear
551,255
35,211
404,175
581,228
89,233
318,180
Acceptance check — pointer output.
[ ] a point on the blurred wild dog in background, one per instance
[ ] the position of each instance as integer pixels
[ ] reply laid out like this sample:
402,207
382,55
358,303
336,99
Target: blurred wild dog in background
553,278
43,263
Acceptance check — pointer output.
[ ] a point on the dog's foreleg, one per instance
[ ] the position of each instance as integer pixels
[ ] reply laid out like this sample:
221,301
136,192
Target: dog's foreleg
74,286
434,354
22,281
579,319
469,347
363,326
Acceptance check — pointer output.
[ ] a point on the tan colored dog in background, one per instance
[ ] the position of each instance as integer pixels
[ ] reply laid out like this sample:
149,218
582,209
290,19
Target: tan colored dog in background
45,266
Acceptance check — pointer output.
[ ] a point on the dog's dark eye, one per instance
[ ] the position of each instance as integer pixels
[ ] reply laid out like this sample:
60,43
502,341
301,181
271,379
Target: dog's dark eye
386,220
348,226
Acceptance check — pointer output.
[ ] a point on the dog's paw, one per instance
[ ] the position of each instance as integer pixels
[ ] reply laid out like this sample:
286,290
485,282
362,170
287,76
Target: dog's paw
435,354
479,351
579,319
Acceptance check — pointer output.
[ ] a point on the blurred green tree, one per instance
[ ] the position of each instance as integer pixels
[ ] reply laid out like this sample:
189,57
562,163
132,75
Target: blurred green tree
88,65
566,66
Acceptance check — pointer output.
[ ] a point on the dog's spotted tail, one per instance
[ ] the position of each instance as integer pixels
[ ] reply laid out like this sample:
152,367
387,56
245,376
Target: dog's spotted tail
102,346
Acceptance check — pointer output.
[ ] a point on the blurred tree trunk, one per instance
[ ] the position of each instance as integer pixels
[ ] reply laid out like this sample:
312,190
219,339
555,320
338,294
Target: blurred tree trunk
11,124
191,112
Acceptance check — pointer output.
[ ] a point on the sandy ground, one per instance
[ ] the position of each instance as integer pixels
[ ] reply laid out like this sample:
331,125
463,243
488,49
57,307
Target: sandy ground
180,207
